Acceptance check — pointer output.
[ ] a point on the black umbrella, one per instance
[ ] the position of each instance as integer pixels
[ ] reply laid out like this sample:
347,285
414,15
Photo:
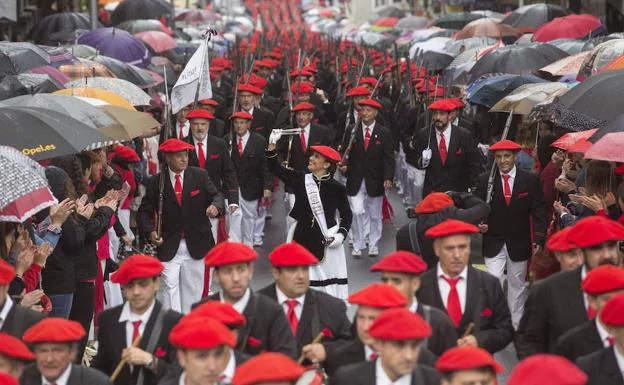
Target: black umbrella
516,59
435,61
24,84
530,17
140,9
615,126
124,71
44,134
598,96
16,58
59,26
145,25
489,91
456,20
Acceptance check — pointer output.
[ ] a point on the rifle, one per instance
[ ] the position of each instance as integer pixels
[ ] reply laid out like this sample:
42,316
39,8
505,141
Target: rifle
290,107
361,73
397,72
410,84
163,165
490,186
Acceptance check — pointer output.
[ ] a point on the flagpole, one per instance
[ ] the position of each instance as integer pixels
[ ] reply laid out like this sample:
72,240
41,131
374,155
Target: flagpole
203,69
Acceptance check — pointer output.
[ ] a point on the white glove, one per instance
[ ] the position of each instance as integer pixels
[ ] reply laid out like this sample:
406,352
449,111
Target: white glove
426,157
275,136
484,148
337,242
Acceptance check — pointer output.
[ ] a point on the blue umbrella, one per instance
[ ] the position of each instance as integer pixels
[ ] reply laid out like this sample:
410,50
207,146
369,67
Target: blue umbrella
118,44
489,90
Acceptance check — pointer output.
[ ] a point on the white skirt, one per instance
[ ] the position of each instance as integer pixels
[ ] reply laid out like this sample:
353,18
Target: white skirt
329,276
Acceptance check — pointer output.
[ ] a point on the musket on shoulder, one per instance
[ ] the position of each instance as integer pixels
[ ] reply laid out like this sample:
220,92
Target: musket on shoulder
490,185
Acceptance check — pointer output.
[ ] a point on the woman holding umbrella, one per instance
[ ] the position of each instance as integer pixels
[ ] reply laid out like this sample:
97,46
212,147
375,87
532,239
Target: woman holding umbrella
322,214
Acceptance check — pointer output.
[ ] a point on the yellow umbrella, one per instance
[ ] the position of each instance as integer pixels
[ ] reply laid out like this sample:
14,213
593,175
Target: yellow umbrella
98,93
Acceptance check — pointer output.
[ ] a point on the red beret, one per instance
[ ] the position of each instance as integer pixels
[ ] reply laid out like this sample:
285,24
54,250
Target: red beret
370,102
209,102
442,105
303,72
399,324
7,379
305,106
547,368
594,230
261,63
378,295
559,241
203,333
458,102
222,312
612,313
54,330
359,91
199,114
310,69
258,81
451,227
229,253
329,153
466,358
214,69
126,154
506,144
175,145
136,267
13,348
439,92
371,81
619,169
244,87
241,115
219,61
433,203
603,279
7,272
292,254
401,262
304,88
268,367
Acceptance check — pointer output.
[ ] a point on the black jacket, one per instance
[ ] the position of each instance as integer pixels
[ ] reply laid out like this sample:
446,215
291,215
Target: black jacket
219,166
198,192
319,136
364,373
320,311
374,165
511,224
19,320
112,340
601,367
251,168
462,166
79,375
266,329
443,335
579,341
334,199
486,307
94,228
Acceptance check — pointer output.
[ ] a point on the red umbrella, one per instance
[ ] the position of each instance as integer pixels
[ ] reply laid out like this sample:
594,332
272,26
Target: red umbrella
158,41
608,148
386,22
568,27
567,141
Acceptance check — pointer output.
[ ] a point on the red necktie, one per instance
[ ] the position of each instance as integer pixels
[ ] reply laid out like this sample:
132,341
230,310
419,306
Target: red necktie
366,138
507,189
181,133
303,141
442,148
453,306
240,145
611,341
591,312
177,188
292,316
201,156
135,330
373,356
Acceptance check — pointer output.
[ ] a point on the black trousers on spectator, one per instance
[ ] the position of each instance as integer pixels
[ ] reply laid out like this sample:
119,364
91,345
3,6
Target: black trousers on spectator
82,312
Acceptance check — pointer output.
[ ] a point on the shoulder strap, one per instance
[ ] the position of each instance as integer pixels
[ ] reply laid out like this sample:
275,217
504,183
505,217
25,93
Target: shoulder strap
152,342
413,236
427,317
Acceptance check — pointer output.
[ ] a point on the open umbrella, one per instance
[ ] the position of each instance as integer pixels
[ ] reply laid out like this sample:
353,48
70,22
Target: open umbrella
121,70
16,58
492,89
566,141
117,43
616,125
571,46
389,22
123,88
516,59
598,95
57,24
98,93
569,27
44,134
159,42
523,99
530,17
144,25
140,9
390,11
486,27
132,124
602,55
488,13
24,84
456,20
197,16
85,68
608,148
412,22
52,72
24,189
567,66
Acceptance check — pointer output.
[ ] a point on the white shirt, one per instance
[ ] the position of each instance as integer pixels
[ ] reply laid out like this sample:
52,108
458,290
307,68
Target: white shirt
414,306
447,136
445,288
381,378
129,317
619,358
62,380
368,351
371,127
282,298
241,304
230,368
602,332
8,304
182,379
185,129
245,139
172,178
583,274
306,134
512,178
251,110
204,144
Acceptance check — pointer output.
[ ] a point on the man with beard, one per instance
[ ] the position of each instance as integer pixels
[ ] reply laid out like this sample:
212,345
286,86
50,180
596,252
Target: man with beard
449,154
558,303
139,317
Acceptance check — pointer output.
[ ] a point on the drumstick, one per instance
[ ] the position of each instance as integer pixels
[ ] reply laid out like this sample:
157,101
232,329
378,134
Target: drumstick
122,363
468,330
324,333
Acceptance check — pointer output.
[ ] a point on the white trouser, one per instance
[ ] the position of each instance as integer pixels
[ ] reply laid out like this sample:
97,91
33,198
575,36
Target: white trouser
182,280
234,225
214,228
249,211
367,219
124,219
258,227
517,286
290,203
